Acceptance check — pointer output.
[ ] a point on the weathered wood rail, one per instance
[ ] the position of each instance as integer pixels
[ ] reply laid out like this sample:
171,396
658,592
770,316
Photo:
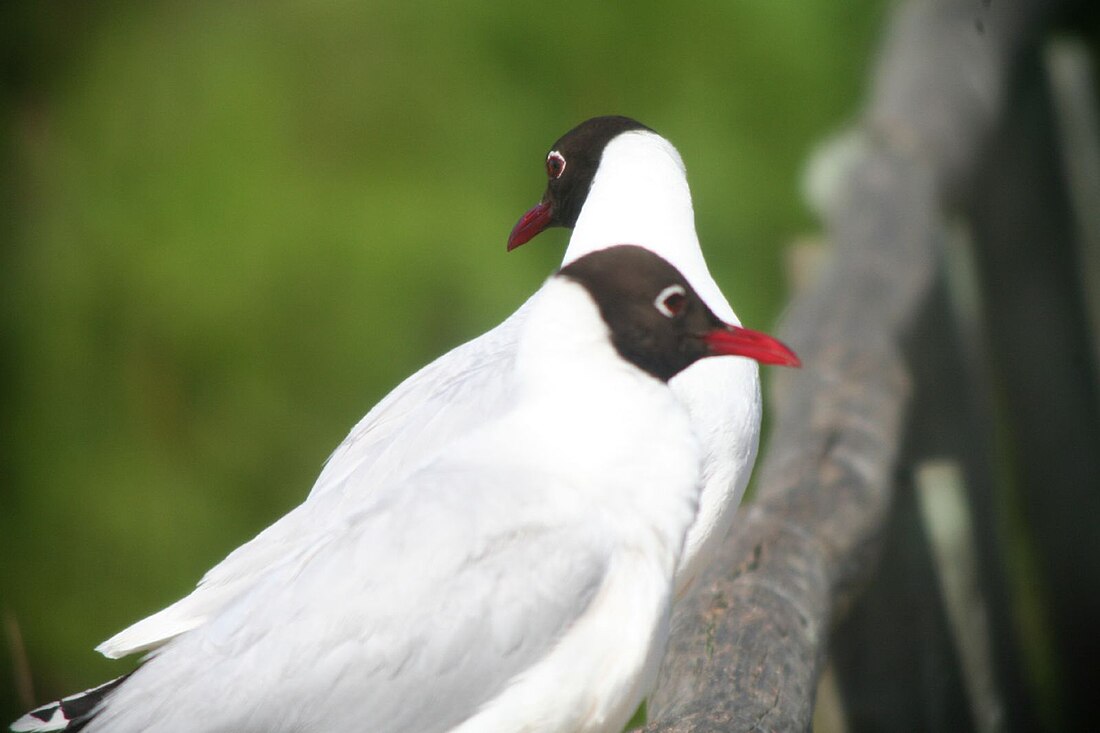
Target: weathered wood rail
750,643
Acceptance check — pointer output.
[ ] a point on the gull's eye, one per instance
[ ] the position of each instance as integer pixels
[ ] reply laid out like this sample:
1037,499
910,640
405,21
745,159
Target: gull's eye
671,301
555,164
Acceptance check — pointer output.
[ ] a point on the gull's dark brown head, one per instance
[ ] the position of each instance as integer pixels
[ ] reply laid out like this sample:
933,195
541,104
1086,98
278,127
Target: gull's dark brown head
571,165
656,319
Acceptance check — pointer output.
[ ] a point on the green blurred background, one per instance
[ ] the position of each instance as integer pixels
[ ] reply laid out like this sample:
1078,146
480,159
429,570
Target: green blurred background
230,228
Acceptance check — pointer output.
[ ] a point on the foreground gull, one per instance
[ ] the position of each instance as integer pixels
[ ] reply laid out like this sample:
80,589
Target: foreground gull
520,578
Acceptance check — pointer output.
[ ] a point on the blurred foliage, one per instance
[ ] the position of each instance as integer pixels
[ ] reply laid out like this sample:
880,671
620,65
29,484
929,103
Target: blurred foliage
231,227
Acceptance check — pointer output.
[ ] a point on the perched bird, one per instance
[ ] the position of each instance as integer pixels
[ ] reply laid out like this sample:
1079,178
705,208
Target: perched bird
612,179
518,577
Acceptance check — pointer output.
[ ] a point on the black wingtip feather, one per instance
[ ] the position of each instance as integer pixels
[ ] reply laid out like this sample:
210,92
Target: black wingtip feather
78,710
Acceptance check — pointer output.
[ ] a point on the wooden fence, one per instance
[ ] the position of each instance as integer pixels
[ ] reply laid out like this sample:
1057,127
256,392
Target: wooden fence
928,509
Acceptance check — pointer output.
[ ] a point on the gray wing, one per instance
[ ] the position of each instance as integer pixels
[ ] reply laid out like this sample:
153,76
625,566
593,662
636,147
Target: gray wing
441,402
423,609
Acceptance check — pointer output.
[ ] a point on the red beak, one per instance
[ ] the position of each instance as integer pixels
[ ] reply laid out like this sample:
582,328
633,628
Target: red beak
530,224
737,341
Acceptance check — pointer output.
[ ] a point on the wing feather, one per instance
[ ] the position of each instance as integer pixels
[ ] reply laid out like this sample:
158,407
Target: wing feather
419,598
436,405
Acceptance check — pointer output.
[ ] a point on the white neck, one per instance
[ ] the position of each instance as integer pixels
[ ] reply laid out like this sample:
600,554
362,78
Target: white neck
618,426
564,338
640,195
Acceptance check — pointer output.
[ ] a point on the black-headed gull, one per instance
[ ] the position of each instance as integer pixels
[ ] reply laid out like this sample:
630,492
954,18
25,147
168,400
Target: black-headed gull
520,577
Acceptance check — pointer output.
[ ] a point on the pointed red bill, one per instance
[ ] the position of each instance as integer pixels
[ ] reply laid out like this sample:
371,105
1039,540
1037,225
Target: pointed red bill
737,341
530,224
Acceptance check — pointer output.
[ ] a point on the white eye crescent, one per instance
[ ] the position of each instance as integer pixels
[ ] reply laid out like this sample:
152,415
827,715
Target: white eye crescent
555,164
671,300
